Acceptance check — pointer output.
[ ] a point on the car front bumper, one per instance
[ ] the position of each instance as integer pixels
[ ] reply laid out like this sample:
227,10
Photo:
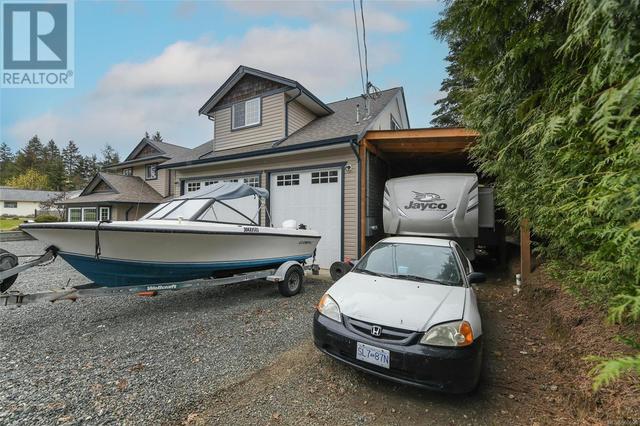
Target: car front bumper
453,370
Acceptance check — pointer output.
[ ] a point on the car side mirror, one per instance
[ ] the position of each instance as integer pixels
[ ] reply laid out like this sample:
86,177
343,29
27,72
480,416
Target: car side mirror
476,277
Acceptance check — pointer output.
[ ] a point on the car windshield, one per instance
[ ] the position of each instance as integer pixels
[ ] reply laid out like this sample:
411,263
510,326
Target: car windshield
416,262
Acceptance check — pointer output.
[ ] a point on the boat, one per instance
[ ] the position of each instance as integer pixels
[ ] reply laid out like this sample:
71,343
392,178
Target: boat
203,234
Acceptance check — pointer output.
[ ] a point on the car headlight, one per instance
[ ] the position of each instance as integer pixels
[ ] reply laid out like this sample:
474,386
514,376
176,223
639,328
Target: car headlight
456,333
329,308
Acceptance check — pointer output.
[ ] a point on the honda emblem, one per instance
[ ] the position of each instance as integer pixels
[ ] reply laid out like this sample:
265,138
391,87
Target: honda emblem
376,331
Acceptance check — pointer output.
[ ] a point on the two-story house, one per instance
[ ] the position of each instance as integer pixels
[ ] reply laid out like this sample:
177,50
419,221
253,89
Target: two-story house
267,131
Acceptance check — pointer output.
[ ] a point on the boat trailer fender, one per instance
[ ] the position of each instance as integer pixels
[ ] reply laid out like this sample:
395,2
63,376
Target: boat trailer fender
279,274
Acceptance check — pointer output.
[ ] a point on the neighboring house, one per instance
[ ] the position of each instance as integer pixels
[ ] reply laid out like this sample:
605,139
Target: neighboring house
22,202
129,189
112,197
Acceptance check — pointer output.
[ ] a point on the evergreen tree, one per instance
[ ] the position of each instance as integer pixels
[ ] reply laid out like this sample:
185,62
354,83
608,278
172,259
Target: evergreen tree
146,135
455,85
157,137
70,158
91,167
54,166
31,156
109,156
7,163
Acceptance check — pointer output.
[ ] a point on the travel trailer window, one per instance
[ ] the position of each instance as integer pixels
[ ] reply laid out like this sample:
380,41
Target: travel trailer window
166,209
412,261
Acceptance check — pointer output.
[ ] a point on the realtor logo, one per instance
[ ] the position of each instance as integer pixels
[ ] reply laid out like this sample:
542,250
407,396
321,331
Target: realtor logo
37,44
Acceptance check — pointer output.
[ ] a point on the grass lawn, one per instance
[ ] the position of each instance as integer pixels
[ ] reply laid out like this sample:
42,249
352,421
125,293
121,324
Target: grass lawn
10,224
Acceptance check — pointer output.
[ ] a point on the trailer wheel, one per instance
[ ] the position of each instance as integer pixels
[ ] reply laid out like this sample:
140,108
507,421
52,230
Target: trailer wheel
7,261
292,283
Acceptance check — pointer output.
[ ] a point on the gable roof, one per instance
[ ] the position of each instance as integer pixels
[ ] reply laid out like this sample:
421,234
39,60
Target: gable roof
8,193
164,149
244,70
339,127
124,189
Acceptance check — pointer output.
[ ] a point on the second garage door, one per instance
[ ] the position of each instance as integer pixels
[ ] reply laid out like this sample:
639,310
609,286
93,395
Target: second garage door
313,198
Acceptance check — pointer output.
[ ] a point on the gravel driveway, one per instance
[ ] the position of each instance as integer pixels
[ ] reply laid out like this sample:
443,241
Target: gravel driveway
134,360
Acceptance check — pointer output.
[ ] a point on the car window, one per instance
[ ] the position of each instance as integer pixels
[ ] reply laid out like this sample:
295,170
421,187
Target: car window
412,261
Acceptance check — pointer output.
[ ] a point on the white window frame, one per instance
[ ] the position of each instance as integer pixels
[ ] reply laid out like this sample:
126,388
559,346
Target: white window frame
146,171
127,171
103,209
69,213
324,176
258,102
84,216
288,179
10,204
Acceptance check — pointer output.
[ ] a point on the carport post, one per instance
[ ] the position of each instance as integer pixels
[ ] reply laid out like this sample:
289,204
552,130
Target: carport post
525,250
363,197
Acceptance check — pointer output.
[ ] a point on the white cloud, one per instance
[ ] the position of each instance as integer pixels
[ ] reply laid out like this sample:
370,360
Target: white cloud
165,92
331,14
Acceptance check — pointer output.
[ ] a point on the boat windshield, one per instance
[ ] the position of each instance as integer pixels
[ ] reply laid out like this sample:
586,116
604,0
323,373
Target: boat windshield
226,202
207,210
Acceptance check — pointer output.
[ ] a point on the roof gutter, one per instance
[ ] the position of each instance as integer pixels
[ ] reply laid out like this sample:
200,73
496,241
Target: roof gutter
258,153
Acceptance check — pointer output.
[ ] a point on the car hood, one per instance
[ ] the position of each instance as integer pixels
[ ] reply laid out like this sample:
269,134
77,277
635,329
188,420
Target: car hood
408,305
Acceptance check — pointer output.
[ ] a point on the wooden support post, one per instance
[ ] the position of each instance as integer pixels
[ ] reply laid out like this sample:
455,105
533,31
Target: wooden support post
525,250
363,197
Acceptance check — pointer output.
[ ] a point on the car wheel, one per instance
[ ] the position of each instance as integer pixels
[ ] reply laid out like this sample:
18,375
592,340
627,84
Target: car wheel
7,261
292,283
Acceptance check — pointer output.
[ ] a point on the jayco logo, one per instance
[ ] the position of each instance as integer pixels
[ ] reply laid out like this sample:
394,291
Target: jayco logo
37,44
426,201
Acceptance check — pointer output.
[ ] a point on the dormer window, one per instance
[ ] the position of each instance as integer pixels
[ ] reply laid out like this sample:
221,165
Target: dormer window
245,114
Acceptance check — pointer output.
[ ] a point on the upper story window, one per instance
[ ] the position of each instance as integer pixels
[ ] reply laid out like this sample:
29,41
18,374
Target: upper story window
151,171
394,124
244,114
127,172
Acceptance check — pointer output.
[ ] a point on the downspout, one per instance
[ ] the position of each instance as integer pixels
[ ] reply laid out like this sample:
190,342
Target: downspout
126,214
286,113
355,147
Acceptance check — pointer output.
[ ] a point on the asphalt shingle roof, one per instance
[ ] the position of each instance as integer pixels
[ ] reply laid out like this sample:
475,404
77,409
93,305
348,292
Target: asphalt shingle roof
15,194
129,189
340,124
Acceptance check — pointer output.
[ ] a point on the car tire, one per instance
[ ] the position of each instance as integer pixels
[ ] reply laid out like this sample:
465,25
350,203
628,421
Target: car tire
7,261
292,283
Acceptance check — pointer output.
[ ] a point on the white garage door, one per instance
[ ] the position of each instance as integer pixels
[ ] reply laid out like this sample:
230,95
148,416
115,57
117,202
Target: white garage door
314,199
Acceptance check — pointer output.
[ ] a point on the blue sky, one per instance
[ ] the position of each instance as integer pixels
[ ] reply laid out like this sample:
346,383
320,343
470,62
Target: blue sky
149,65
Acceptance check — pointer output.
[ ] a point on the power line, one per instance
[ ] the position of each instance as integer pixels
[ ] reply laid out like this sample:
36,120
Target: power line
364,43
355,20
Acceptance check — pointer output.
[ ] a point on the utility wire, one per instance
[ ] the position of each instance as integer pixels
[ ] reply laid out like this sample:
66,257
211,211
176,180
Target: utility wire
364,43
355,20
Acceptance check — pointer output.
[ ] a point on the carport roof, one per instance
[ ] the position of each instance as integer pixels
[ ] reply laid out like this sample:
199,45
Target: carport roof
428,140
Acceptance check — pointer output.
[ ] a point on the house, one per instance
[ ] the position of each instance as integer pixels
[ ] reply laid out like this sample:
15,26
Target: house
129,189
324,164
23,202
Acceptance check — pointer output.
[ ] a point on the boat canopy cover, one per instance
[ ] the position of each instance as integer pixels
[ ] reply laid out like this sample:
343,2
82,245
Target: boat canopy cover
225,191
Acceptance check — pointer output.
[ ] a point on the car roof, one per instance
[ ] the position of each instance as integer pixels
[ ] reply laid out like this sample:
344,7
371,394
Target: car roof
426,241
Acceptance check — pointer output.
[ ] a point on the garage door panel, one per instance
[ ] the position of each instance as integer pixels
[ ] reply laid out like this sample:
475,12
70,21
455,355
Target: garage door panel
312,198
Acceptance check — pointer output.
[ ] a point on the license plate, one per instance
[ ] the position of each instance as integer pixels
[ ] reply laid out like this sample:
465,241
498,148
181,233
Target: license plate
372,355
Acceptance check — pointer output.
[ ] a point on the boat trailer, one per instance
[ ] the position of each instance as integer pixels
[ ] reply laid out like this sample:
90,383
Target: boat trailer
289,276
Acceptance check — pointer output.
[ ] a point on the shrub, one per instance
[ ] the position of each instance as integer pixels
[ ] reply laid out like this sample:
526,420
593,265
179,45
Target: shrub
47,218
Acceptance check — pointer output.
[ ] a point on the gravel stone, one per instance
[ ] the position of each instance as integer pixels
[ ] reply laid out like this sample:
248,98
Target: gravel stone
133,360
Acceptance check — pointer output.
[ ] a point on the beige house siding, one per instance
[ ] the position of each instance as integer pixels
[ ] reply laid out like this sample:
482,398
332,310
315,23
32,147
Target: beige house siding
161,185
299,116
270,129
394,108
119,211
296,160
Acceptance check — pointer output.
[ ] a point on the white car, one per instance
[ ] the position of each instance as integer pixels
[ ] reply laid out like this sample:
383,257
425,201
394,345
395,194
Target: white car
406,312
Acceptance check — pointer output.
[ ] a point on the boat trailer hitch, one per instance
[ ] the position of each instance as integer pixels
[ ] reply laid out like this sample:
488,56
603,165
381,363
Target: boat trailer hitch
9,268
